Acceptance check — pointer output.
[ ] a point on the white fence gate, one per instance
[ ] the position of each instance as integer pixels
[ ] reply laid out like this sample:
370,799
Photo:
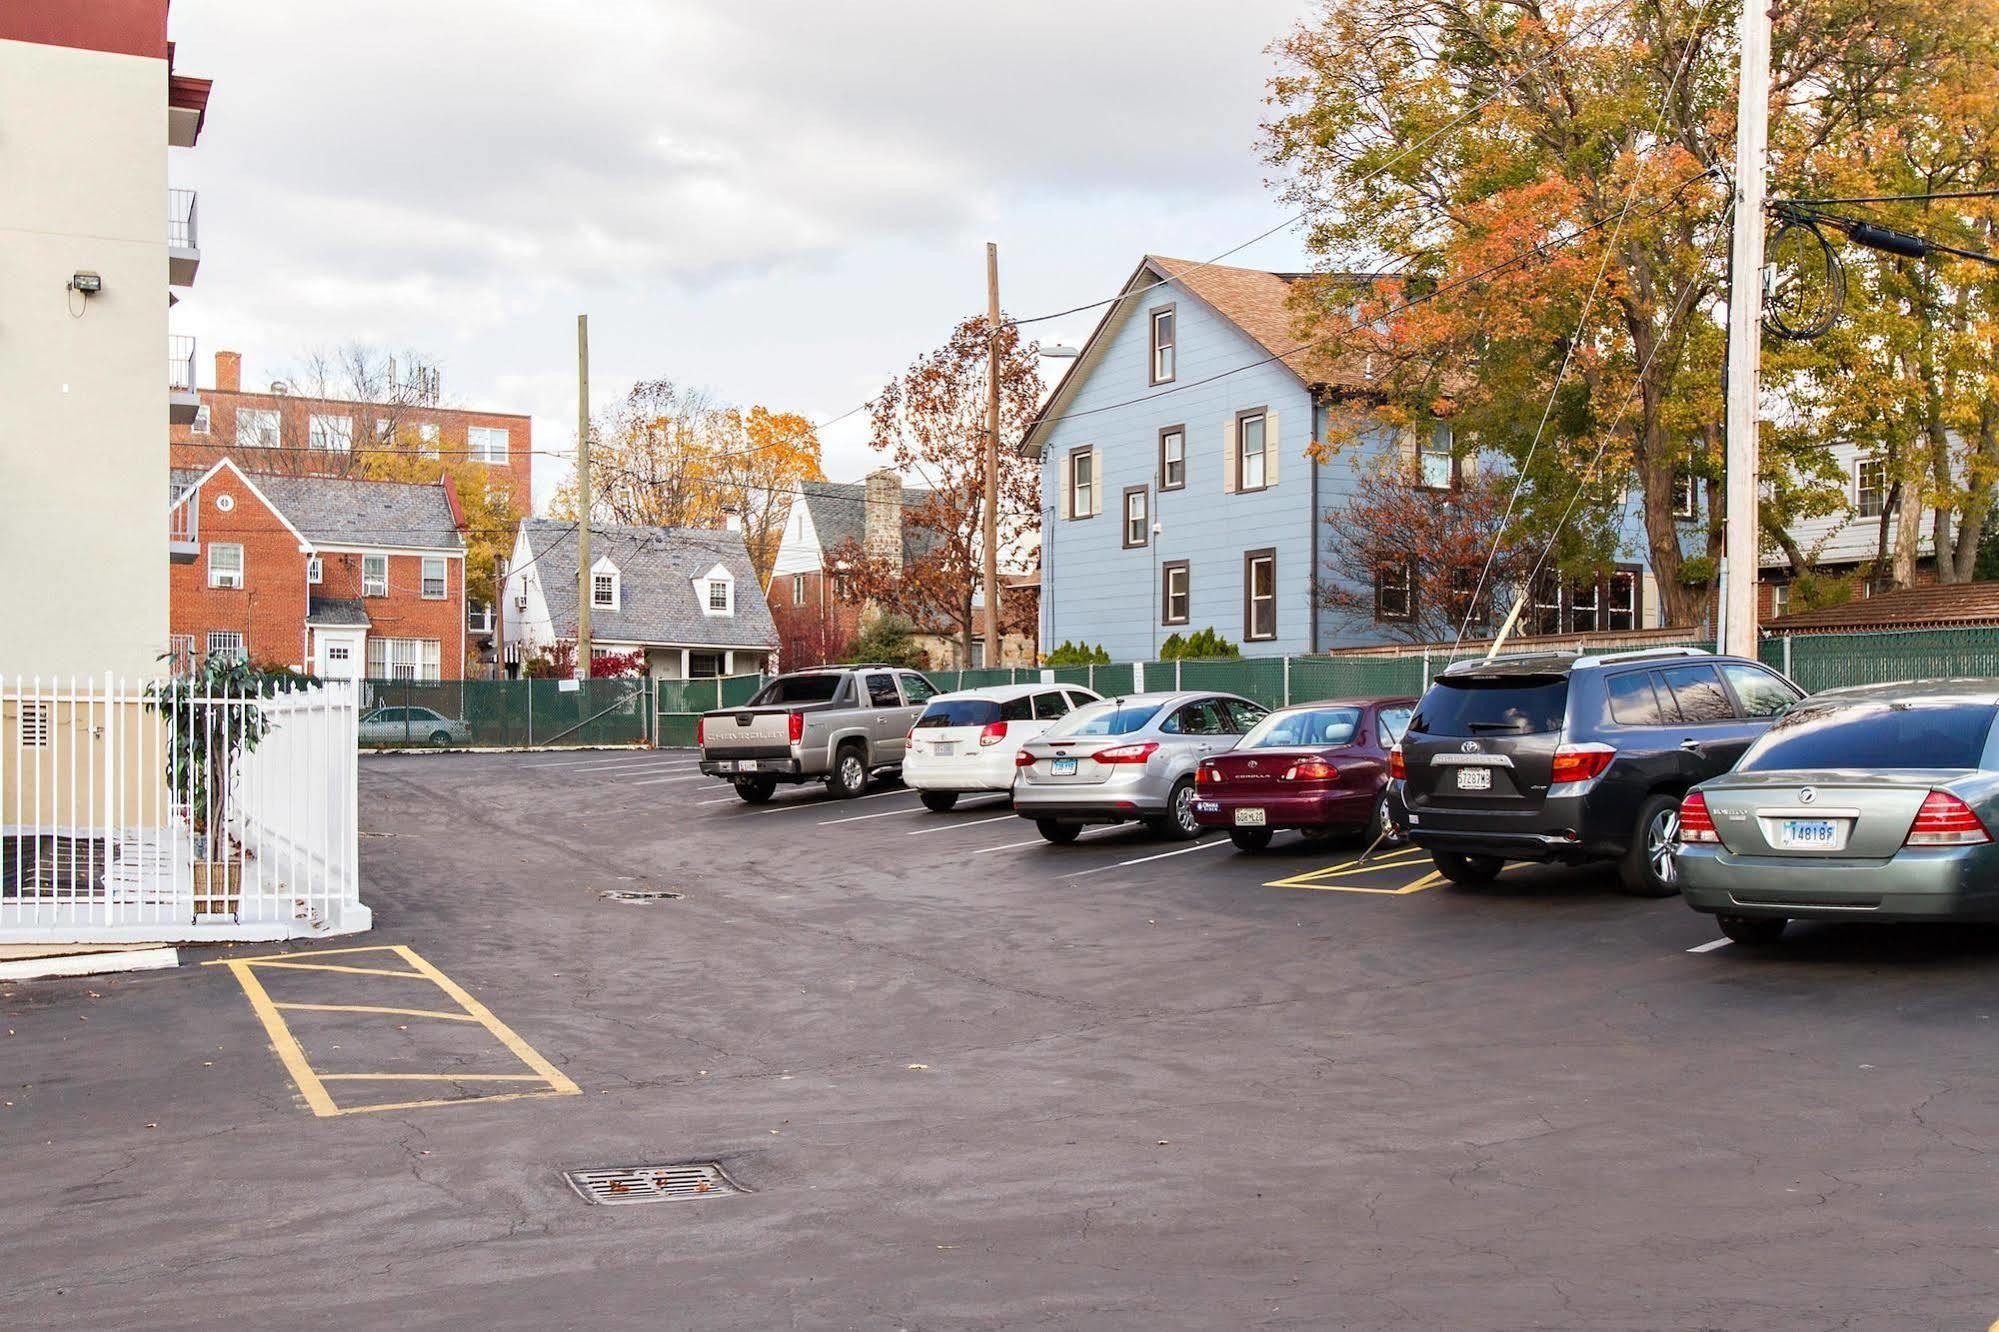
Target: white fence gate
156,813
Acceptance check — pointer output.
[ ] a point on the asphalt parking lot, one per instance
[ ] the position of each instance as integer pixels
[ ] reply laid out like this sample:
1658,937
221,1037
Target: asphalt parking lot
971,1080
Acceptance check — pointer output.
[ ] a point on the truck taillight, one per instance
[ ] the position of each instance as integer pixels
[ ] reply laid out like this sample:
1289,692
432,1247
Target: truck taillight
1580,763
1696,824
1944,820
1127,753
700,728
1397,770
993,734
1311,770
797,727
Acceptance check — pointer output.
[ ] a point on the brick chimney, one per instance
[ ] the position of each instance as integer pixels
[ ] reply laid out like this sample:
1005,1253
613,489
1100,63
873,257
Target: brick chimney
229,371
882,531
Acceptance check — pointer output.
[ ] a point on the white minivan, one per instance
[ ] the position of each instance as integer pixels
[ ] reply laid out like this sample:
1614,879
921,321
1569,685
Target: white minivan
965,742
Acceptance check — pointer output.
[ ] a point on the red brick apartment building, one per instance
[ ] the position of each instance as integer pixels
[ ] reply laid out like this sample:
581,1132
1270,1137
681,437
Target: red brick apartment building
279,430
340,577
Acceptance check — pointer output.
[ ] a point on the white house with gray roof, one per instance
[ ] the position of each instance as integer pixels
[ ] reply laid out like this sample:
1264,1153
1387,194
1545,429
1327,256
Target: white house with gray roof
686,597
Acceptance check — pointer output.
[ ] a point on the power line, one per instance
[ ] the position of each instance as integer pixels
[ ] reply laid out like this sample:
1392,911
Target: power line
1893,198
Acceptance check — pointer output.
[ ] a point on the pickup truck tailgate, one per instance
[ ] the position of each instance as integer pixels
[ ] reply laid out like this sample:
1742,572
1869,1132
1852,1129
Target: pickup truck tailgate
746,733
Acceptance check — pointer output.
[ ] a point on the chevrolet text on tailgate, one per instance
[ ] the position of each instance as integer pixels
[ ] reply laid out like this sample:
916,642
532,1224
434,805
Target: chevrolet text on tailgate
835,724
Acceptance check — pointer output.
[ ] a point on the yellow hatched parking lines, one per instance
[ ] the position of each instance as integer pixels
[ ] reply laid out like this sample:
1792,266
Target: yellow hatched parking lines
546,1078
1338,878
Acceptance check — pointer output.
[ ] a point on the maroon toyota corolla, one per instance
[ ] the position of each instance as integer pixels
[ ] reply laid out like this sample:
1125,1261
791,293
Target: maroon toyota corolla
1321,768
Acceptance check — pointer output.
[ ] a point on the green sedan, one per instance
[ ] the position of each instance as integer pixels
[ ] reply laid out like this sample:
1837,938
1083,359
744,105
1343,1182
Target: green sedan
1873,803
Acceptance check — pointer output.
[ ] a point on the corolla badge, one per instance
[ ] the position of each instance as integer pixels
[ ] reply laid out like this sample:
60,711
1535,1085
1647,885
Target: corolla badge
1469,747
1806,796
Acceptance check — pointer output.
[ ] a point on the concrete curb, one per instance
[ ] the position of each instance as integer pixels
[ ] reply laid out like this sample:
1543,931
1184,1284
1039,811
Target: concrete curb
90,964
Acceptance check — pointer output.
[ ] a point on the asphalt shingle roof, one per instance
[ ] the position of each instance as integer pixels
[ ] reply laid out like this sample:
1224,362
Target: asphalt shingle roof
336,511
337,612
1904,608
840,514
1258,303
657,567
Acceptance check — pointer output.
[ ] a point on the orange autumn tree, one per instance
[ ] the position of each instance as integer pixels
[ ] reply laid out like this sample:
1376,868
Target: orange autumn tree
930,422
1548,182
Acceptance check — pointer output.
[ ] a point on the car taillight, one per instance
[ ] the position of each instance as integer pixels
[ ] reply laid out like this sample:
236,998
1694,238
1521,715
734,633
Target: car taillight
700,728
1207,775
1023,759
797,727
1127,753
1397,770
1696,825
1944,820
993,733
1580,763
1311,770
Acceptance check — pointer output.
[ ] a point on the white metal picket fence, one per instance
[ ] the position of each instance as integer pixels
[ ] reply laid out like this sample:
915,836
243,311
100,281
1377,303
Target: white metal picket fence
156,812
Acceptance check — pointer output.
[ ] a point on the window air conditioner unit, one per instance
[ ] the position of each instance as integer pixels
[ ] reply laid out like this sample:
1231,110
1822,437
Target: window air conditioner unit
520,601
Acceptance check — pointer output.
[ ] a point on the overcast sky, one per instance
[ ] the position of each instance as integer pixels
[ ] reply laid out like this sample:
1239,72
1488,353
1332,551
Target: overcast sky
782,201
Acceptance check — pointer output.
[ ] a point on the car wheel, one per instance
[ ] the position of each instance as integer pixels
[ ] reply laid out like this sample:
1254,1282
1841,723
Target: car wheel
850,773
1379,829
1059,833
1649,868
1752,931
440,737
940,801
756,790
1470,871
1178,822
1250,839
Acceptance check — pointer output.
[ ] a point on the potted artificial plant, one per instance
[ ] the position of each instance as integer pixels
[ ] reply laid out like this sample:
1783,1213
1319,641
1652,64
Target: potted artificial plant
211,719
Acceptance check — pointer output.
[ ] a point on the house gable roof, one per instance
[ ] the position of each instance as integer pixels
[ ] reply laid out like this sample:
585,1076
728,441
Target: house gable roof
335,511
657,571
839,513
1941,605
182,483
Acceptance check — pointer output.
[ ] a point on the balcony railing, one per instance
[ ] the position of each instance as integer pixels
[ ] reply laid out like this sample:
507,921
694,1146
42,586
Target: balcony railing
181,231
180,363
184,529
183,238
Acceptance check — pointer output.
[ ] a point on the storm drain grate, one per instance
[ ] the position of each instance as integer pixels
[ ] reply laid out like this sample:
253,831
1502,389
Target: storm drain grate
638,895
637,1184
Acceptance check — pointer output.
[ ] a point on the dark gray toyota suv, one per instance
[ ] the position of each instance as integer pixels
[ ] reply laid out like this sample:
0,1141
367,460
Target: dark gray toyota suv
1570,759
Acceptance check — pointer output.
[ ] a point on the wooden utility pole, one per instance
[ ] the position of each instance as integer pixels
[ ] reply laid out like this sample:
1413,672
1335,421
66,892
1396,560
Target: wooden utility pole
1741,536
582,497
991,571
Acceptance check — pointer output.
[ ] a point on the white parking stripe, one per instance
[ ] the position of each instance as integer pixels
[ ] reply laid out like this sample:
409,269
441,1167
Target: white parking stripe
1185,850
856,818
1709,946
953,827
655,781
724,800
1042,841
822,803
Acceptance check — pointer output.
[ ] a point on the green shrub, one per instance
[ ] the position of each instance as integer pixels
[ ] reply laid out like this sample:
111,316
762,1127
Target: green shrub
1077,654
887,639
1201,643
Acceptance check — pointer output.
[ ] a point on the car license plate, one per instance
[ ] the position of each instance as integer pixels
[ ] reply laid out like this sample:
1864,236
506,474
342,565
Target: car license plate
944,748
1249,818
1063,767
1474,779
1808,835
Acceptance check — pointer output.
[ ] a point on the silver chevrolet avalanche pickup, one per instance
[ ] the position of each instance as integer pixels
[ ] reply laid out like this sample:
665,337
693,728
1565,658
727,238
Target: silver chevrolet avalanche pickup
833,724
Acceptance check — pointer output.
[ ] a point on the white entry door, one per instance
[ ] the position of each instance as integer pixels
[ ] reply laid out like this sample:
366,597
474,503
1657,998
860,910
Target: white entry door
339,656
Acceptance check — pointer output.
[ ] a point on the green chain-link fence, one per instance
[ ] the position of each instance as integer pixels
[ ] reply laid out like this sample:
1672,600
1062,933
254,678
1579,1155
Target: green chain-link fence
504,714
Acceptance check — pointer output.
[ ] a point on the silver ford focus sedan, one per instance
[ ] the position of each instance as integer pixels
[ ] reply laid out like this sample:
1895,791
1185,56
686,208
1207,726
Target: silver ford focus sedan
1126,758
1873,803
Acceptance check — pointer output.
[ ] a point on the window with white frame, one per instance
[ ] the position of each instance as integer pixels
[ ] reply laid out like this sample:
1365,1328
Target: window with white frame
315,570
332,433
427,437
385,430
436,580
704,665
1684,491
488,444
718,595
1259,595
404,658
374,575
798,589
1174,606
225,564
1395,593
180,652
1435,458
1137,520
606,590
1082,483
1165,341
256,428
225,645
1172,458
1251,452
1780,599
1622,591
1870,486
201,421
1585,604
716,591
479,617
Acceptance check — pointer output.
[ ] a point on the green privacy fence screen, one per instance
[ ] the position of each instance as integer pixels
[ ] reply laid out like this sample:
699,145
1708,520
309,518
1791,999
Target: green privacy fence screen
538,713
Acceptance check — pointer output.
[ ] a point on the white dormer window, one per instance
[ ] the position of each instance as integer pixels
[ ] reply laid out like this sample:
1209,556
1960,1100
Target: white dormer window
605,592
716,591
